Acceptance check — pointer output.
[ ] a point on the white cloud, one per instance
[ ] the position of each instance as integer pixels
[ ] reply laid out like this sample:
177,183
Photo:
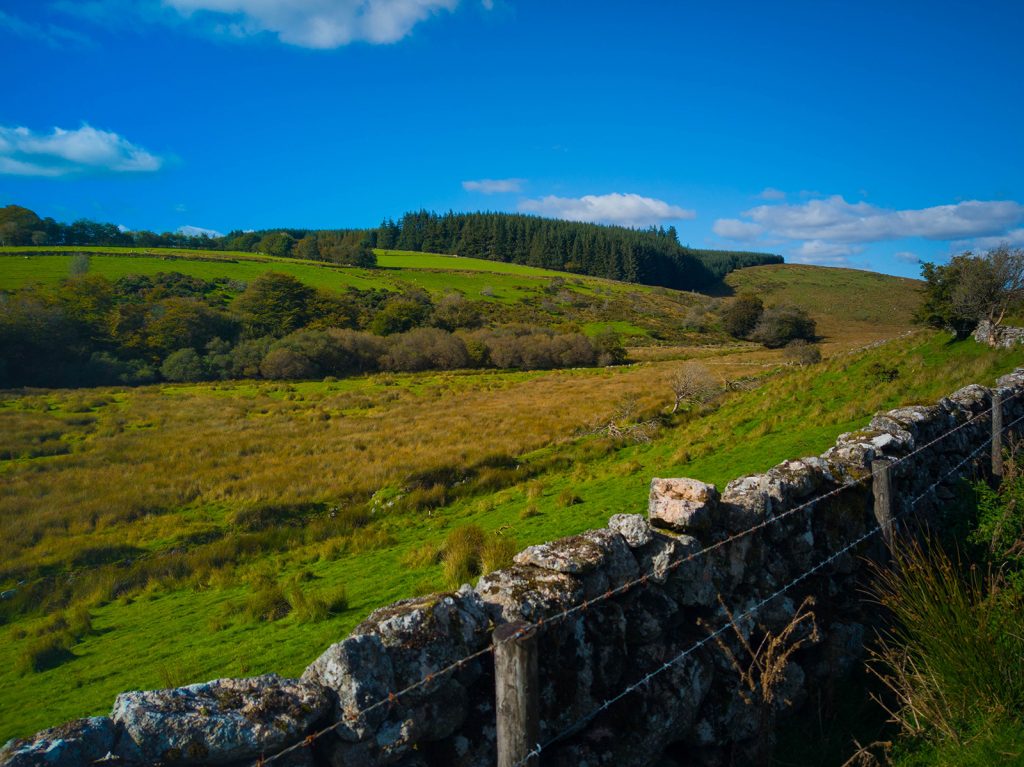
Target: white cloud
906,257
66,152
494,185
821,252
1014,238
318,23
198,231
835,220
773,194
615,208
734,229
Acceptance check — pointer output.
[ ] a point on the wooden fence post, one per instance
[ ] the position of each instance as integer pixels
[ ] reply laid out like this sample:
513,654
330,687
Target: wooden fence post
997,434
516,693
881,485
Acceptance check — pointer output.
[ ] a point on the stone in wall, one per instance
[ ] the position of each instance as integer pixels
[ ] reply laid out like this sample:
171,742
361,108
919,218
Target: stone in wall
74,744
774,538
1000,336
682,504
219,722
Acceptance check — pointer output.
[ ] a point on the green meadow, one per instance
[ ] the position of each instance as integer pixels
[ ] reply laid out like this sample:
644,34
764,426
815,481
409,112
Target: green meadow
171,477
165,534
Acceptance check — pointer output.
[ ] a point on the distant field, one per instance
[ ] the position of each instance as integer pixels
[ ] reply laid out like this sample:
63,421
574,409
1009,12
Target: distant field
506,293
172,472
405,259
846,303
851,307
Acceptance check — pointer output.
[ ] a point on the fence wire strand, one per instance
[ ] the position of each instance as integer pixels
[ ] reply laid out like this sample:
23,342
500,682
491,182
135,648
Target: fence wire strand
393,697
737,619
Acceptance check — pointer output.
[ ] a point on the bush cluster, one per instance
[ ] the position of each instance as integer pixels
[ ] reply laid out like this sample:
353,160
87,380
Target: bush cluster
775,326
309,353
139,329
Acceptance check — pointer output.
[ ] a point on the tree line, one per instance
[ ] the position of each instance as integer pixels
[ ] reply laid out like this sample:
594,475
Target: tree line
141,329
648,256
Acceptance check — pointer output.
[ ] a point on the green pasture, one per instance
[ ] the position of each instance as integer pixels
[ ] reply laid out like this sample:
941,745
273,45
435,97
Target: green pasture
477,279
161,638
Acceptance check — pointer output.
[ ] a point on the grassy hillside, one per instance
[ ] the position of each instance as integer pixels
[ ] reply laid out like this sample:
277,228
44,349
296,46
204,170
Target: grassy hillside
172,533
851,307
219,494
847,304
504,293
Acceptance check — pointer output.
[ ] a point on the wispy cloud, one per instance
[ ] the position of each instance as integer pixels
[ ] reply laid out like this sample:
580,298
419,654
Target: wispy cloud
821,252
61,152
830,230
494,185
315,23
1013,238
734,229
615,208
198,231
836,220
50,34
773,194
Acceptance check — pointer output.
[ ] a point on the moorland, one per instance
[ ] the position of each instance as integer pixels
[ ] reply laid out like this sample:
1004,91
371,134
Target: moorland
166,533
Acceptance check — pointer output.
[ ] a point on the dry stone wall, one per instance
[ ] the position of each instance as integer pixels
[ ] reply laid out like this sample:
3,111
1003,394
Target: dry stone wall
1001,336
694,711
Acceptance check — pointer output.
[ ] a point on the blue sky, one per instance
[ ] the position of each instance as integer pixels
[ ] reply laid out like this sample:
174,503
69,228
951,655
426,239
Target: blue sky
868,134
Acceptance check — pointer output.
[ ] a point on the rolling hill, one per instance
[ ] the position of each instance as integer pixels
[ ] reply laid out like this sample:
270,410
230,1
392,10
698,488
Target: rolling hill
237,527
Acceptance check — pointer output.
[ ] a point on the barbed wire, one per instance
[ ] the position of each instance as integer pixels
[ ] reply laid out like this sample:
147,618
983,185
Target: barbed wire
657,571
393,697
737,619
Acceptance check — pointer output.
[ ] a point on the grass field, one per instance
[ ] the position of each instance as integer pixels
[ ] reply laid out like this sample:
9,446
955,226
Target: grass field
152,534
845,303
850,307
396,270
169,473
504,293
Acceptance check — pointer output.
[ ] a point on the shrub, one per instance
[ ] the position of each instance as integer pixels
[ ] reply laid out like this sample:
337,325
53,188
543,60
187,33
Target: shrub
802,353
529,348
356,352
608,346
274,304
287,364
453,311
693,384
184,365
401,313
741,315
425,349
781,324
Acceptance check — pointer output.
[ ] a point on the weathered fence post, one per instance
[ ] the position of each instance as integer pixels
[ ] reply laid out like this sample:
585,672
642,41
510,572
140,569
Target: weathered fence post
881,485
997,434
516,693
